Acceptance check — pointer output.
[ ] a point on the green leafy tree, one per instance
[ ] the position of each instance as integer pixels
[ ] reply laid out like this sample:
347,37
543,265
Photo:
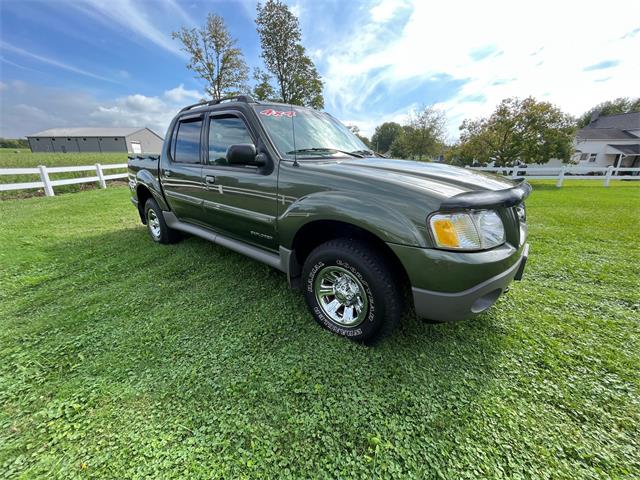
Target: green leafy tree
263,89
295,75
14,143
356,131
518,130
427,135
610,107
385,135
423,137
215,57
400,147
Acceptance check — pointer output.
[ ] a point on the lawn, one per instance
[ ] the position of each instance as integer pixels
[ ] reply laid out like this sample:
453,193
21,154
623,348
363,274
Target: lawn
14,158
124,359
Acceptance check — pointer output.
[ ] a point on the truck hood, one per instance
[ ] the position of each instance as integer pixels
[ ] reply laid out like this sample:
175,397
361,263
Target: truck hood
438,179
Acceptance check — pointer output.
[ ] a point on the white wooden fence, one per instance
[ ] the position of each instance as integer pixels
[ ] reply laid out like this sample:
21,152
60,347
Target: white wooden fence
560,174
603,174
48,184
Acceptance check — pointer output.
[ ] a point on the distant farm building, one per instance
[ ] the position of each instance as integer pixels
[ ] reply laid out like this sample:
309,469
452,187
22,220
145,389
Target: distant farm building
611,140
96,139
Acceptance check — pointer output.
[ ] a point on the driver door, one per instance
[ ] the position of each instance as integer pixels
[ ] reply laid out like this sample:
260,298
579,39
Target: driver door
239,200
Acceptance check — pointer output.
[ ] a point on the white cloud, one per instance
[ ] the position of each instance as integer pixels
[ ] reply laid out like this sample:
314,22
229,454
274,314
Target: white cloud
541,49
27,108
180,94
385,10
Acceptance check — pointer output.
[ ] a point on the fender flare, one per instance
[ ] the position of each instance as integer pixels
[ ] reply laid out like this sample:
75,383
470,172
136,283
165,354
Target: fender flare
365,212
146,179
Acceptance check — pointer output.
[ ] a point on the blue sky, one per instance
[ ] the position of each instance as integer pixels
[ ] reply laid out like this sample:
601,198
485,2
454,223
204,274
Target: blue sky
99,62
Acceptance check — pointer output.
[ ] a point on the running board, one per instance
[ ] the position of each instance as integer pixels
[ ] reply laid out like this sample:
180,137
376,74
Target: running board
277,261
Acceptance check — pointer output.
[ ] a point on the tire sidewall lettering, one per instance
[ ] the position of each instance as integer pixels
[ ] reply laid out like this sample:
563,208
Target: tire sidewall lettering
372,306
328,323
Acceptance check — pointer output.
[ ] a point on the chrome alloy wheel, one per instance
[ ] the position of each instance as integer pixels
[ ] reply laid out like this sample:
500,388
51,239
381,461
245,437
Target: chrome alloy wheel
341,296
154,223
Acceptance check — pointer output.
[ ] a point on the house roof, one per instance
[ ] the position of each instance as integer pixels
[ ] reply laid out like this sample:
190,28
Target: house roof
623,121
88,132
627,149
590,133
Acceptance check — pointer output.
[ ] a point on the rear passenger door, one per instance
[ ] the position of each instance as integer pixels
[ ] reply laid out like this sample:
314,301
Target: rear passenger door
239,201
181,176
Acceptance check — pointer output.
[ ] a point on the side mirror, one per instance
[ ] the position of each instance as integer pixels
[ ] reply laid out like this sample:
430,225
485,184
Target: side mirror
244,154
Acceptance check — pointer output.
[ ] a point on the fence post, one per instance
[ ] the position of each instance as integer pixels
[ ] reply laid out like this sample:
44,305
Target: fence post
607,177
514,172
560,177
103,184
44,176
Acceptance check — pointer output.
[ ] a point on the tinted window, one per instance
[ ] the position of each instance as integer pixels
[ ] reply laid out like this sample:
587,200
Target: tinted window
224,132
187,144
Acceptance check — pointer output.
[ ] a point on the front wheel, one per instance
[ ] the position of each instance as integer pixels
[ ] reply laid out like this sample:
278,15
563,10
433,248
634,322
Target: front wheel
351,290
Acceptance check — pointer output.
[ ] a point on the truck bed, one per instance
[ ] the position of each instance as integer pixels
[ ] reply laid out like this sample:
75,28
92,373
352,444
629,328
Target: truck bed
143,162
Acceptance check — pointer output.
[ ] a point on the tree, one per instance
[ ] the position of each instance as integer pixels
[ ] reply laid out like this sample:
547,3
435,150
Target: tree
356,131
610,107
296,77
214,57
519,130
14,143
400,147
263,90
384,136
423,137
427,134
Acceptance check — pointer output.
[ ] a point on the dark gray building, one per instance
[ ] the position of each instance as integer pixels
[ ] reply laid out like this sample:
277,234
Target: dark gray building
96,139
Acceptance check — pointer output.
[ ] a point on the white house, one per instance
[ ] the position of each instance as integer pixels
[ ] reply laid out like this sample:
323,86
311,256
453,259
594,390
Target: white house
612,140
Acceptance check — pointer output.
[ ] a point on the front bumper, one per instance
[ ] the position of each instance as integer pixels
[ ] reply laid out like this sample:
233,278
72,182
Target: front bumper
444,306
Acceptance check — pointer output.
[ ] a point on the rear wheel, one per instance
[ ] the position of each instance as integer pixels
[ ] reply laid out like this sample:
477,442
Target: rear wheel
352,290
157,227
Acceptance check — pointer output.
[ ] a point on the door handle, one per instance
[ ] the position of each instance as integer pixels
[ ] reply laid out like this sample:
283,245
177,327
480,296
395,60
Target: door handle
210,179
167,173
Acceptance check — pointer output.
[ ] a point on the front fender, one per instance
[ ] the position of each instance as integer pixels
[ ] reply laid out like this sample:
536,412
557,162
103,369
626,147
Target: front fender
365,212
149,180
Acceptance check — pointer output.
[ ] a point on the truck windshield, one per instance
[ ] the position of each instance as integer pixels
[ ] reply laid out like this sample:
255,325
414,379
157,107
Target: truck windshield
317,134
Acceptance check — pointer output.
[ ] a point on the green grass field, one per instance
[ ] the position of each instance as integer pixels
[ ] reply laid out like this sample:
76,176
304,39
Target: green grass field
123,359
12,158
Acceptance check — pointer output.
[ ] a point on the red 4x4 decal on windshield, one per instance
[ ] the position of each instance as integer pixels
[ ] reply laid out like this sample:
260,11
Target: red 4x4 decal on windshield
270,112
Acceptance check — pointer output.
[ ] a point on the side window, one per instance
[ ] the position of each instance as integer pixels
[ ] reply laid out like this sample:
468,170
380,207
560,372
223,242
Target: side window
187,141
225,131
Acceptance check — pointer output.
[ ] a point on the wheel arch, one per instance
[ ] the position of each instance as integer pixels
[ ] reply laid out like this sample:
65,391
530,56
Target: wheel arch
147,187
318,231
143,194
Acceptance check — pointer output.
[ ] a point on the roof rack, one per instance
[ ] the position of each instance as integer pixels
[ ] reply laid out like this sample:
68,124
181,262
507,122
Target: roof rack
237,98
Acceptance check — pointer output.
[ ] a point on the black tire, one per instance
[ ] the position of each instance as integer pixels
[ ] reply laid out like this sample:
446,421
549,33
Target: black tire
366,271
156,226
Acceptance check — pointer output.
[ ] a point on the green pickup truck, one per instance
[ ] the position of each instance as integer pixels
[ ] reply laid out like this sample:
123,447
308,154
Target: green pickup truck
364,237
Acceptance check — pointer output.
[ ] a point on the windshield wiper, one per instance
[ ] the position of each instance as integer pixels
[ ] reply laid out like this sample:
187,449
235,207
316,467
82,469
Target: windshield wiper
365,153
323,150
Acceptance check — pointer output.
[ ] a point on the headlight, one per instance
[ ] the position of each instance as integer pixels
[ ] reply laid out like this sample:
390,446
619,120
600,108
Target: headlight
467,231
